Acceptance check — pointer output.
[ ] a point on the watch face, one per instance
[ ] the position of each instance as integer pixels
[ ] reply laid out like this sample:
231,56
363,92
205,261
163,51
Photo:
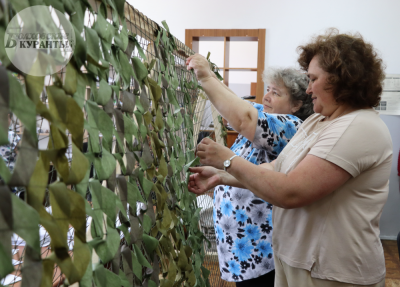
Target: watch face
227,163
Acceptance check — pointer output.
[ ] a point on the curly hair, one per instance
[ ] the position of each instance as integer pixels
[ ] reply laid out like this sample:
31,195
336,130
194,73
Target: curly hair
296,83
356,71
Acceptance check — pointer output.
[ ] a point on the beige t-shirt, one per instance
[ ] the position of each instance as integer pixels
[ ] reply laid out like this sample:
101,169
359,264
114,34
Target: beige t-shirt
337,237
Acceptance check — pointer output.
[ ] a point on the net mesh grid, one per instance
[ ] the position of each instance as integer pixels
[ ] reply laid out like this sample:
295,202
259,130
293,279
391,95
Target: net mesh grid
144,29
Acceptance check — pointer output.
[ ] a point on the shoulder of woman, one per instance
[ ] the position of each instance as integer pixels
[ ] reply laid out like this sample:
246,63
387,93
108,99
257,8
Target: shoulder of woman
365,121
292,118
363,117
360,125
259,107
297,121
313,117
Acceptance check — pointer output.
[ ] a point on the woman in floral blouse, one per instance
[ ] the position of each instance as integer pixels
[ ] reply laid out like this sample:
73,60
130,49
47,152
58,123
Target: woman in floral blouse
243,223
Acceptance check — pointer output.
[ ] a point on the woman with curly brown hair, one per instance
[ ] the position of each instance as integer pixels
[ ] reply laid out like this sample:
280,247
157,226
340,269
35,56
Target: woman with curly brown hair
330,183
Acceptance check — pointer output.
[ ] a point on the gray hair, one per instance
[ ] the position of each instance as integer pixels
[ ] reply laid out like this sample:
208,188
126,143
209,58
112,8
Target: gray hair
296,83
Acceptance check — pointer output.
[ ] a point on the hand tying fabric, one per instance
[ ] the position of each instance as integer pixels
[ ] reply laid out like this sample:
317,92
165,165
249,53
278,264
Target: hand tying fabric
212,153
200,66
203,179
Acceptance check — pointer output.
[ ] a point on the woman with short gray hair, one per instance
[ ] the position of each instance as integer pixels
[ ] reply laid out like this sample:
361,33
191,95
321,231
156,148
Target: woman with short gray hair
296,83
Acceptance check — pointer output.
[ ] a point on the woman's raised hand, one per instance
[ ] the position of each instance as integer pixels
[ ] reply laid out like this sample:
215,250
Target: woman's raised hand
203,179
200,66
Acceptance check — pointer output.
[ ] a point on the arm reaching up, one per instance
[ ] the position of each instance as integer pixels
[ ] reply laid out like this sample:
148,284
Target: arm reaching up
241,115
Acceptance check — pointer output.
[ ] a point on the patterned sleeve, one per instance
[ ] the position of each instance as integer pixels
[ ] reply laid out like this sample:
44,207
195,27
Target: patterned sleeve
274,131
13,138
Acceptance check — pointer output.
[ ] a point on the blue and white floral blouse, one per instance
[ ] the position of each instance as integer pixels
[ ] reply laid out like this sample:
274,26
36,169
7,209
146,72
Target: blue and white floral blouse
243,221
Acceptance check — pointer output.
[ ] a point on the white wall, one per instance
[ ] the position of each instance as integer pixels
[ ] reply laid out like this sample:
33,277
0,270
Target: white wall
390,220
290,23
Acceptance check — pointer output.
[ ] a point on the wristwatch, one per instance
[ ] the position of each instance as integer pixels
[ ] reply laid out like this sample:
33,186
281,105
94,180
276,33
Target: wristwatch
227,163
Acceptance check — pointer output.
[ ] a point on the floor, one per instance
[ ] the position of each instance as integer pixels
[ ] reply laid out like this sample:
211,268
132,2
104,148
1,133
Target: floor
391,258
392,263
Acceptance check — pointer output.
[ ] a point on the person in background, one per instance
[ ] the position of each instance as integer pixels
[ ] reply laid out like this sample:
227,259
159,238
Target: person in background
330,183
242,220
9,151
